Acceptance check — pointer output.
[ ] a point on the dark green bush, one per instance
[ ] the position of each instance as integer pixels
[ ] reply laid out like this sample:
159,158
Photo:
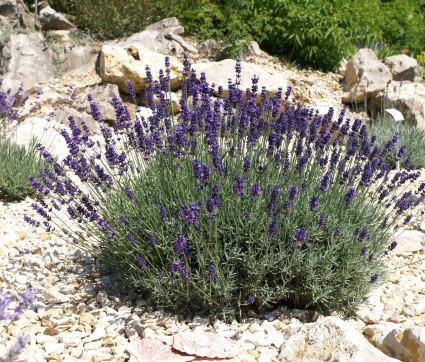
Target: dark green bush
231,203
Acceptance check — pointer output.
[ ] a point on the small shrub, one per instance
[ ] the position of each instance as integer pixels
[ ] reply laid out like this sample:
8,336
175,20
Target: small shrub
17,165
231,204
413,138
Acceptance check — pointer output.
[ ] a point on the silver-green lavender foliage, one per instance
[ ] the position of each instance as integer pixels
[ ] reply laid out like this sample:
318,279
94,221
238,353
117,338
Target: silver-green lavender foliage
243,199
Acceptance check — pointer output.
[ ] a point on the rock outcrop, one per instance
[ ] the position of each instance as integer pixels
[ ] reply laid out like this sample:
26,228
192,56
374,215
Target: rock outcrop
365,77
402,67
118,64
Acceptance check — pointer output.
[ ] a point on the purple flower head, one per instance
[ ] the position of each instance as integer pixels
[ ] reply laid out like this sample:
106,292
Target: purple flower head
363,251
152,239
293,192
142,262
273,229
130,89
131,195
131,239
239,186
251,300
314,202
163,213
246,164
181,247
301,234
393,245
363,234
247,215
337,232
370,257
123,220
272,205
324,183
191,214
322,220
374,278
211,273
349,196
255,191
176,266
210,204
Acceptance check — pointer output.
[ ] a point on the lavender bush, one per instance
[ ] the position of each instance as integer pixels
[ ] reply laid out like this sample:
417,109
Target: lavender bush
242,200
17,163
26,300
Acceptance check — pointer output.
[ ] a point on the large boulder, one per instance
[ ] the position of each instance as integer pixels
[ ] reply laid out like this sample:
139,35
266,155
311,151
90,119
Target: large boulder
220,72
163,37
52,20
405,344
25,60
329,339
365,77
102,96
118,64
402,67
408,98
45,131
16,14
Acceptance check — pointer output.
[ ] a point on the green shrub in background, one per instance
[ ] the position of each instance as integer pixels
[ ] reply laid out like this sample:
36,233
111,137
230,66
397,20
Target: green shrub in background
316,33
231,204
421,60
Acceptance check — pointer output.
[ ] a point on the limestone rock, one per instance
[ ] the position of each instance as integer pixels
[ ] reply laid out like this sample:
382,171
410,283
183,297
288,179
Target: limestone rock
53,296
327,340
26,130
52,20
18,58
205,344
219,73
102,95
402,67
118,64
16,14
152,349
163,37
408,98
409,242
208,49
365,77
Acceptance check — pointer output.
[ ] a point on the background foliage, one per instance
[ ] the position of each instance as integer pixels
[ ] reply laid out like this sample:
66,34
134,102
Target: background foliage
317,33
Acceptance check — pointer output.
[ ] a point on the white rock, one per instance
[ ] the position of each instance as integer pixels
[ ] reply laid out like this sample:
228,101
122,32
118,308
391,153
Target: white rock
57,348
54,297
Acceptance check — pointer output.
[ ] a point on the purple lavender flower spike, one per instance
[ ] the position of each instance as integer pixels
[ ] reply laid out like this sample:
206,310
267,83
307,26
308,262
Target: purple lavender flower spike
239,186
363,251
251,300
211,273
393,245
374,278
142,262
314,202
181,247
176,266
300,237
349,196
163,213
